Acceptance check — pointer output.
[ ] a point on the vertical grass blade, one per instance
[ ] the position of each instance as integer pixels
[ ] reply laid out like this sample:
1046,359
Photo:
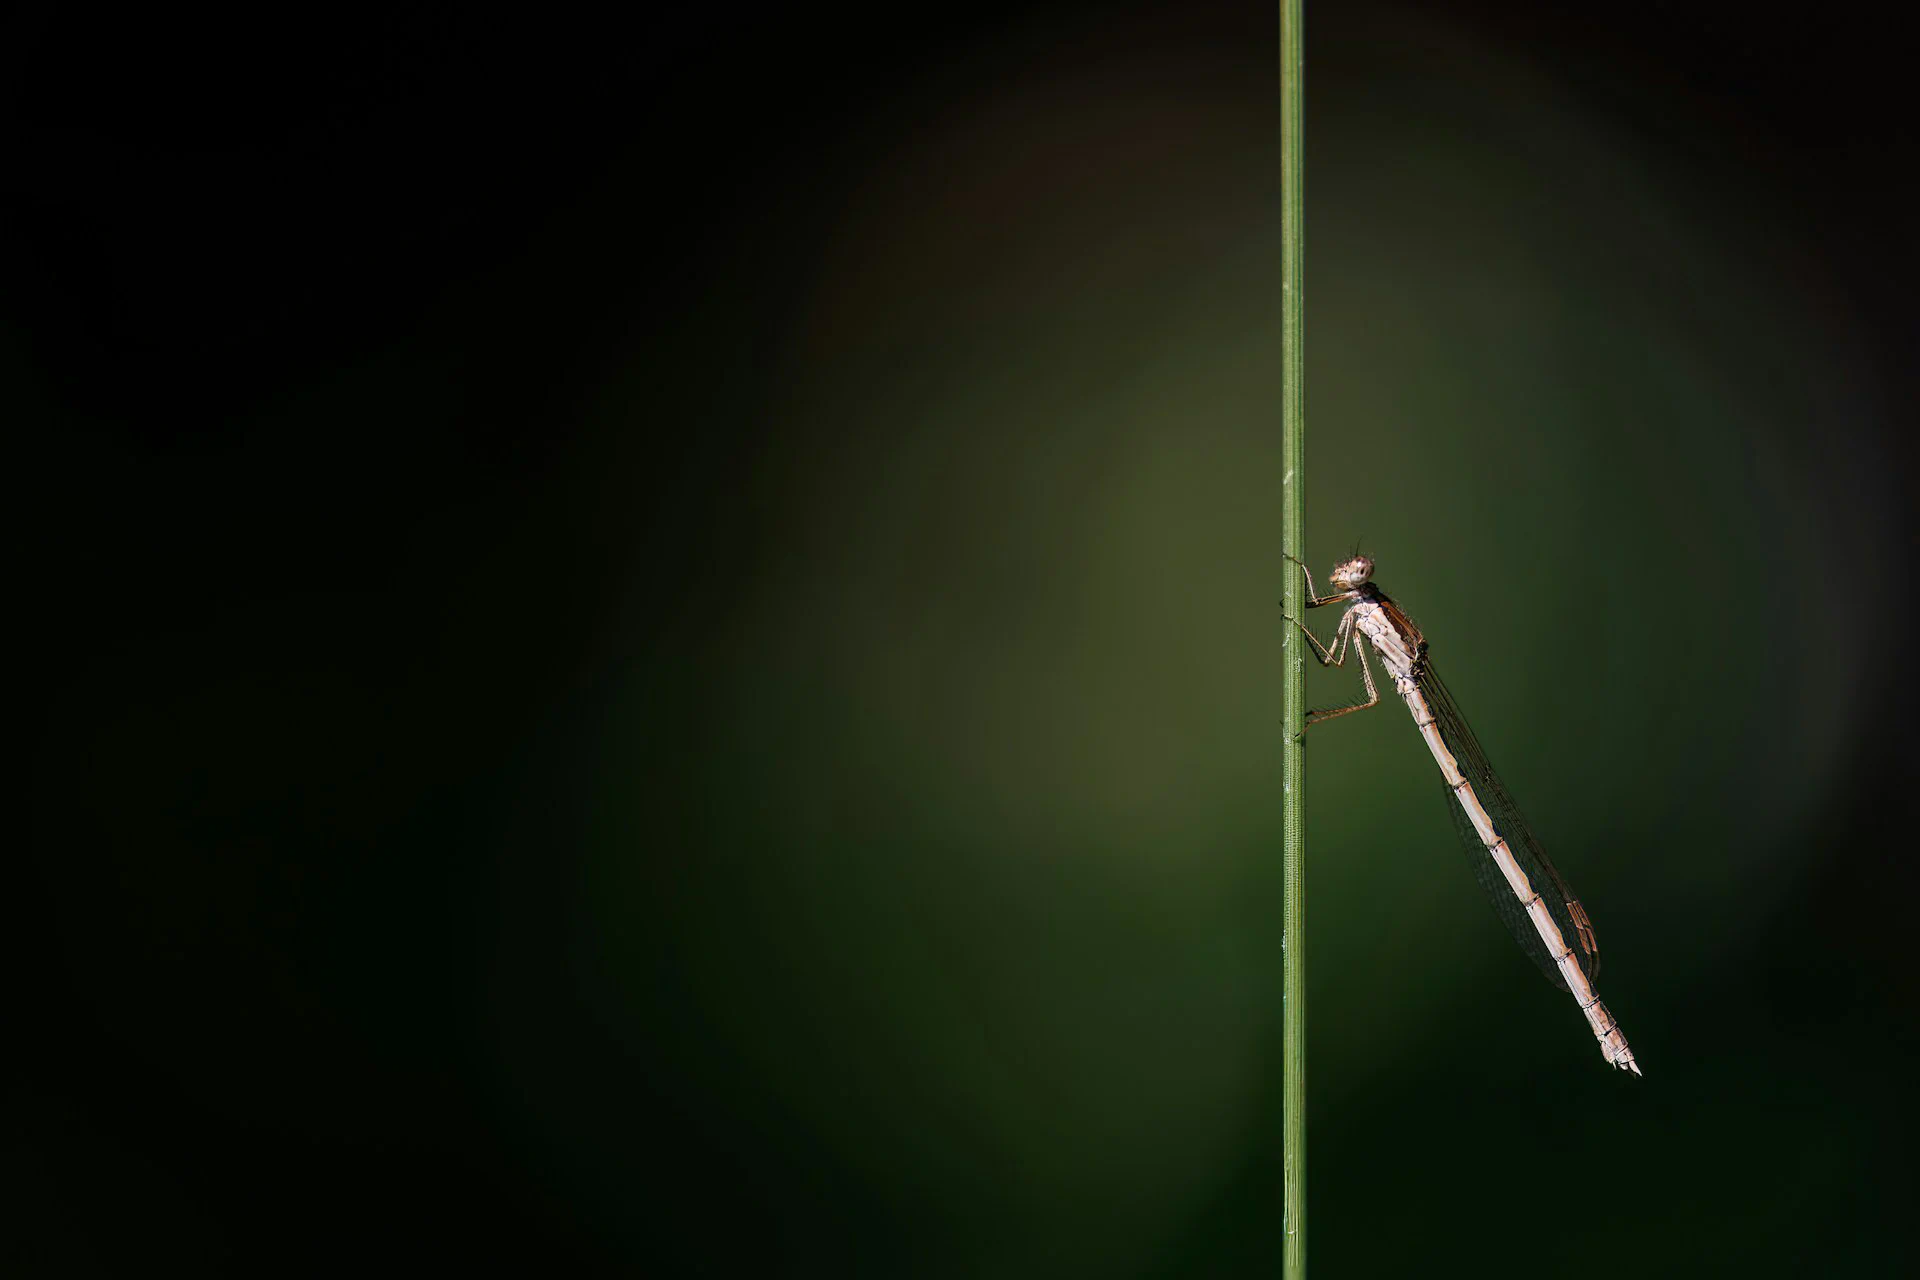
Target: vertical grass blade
1293,656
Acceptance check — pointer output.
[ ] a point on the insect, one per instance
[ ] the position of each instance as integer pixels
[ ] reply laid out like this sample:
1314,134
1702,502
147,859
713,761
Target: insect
1527,892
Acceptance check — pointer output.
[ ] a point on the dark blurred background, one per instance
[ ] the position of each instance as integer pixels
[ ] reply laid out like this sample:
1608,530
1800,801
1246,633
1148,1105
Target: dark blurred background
653,647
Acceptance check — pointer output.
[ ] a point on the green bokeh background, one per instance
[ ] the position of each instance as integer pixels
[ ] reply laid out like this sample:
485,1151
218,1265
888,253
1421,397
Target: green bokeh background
818,811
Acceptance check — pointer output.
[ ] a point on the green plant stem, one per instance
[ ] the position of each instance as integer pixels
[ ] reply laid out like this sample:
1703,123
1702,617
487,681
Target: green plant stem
1293,656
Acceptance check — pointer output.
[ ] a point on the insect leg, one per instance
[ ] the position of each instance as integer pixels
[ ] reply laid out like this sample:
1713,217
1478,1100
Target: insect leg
1366,678
1342,634
1314,598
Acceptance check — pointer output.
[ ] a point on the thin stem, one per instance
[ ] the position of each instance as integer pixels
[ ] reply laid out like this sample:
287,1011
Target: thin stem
1293,651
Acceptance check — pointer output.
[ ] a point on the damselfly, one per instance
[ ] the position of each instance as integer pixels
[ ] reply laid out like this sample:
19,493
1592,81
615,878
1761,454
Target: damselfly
1508,862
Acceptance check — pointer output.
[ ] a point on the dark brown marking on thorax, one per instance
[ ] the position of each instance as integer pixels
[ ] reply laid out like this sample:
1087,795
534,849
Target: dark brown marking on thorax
1398,617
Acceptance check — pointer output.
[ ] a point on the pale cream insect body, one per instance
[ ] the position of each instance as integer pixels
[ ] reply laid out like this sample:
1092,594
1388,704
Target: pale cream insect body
1527,892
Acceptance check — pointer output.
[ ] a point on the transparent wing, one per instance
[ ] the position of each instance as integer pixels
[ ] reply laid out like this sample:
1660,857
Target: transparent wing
1547,882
